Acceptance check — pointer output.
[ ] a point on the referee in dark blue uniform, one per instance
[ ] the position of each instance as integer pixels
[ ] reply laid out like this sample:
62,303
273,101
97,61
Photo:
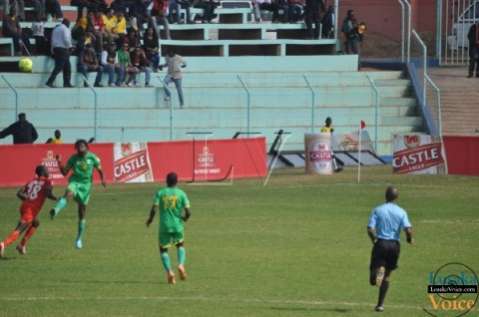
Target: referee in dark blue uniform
384,229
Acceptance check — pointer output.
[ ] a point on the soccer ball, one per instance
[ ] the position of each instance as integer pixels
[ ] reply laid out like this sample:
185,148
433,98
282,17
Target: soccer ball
25,65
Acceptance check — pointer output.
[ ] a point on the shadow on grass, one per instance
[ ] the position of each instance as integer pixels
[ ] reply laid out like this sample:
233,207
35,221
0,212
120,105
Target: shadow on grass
311,309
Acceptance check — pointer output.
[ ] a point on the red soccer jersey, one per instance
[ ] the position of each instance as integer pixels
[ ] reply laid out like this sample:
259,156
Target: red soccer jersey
36,192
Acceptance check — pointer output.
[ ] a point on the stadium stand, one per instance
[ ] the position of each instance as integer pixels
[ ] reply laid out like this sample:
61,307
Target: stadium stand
249,77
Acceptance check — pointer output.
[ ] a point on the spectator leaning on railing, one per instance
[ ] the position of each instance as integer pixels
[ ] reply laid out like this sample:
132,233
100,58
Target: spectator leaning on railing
23,132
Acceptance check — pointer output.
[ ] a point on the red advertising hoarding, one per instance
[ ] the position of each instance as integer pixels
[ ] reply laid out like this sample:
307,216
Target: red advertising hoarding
198,160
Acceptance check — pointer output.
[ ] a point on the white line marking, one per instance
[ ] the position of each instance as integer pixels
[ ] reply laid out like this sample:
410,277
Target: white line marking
209,299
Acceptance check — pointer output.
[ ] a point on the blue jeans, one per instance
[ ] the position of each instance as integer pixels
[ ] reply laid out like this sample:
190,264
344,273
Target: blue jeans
121,70
84,70
110,70
168,79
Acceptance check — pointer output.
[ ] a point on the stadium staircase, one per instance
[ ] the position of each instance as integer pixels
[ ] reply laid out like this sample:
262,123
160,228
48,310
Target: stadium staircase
459,100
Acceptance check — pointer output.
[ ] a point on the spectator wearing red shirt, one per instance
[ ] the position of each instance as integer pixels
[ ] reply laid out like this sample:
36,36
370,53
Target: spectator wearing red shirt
159,13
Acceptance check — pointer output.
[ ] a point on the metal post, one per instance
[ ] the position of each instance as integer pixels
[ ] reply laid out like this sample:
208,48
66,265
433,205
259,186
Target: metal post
424,52
439,118
313,101
403,31
376,110
336,23
15,92
95,108
439,30
248,105
409,26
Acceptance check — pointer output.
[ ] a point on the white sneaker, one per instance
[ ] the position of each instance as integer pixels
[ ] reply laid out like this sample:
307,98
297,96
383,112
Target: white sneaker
78,244
2,250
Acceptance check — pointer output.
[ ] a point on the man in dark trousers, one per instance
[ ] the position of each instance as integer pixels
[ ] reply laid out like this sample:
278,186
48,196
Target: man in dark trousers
312,16
61,45
23,132
473,37
384,228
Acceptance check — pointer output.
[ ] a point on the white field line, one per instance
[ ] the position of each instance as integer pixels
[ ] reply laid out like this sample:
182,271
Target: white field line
206,299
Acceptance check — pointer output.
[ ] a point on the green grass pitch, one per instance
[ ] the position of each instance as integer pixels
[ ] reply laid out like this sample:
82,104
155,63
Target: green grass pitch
297,247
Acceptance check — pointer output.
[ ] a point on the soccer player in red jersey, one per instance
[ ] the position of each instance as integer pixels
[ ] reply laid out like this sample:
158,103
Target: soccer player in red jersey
33,195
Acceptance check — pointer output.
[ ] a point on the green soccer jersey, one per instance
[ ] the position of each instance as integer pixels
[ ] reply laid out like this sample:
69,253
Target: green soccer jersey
82,167
171,201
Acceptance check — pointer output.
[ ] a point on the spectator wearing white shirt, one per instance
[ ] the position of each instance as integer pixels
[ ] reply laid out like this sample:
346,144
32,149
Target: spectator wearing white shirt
175,63
61,45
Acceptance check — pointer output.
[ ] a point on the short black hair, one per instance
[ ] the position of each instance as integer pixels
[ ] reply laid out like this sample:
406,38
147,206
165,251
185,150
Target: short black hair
80,141
391,194
328,119
22,115
171,179
41,170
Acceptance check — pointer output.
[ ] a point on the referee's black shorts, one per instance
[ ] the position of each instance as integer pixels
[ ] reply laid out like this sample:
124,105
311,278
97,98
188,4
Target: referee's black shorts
385,253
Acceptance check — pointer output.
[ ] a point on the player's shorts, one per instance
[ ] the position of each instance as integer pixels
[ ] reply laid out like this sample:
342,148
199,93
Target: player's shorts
81,191
385,253
168,239
28,215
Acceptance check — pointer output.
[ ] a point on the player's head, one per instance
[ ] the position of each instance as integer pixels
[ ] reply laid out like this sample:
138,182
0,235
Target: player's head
58,134
171,179
171,52
392,194
81,146
41,171
22,117
328,121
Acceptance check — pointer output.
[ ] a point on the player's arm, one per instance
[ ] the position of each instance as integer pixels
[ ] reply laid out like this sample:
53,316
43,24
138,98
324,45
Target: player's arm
409,235
187,214
102,177
372,235
152,215
64,169
372,227
21,193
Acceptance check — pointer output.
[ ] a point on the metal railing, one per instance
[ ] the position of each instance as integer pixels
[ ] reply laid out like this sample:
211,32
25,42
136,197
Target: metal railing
15,92
376,110
95,107
313,102
248,104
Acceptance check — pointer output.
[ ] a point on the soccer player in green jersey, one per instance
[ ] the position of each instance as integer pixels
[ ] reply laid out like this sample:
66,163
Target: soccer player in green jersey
171,201
80,182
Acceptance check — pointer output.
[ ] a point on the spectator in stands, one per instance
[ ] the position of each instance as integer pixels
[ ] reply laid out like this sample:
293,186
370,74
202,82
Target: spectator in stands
19,6
159,14
150,45
11,28
48,7
295,11
133,39
174,63
88,62
23,132
79,31
174,10
110,22
120,28
38,31
109,62
208,7
351,35
139,64
328,126
95,18
328,23
91,5
274,6
61,45
312,12
57,138
473,37
123,60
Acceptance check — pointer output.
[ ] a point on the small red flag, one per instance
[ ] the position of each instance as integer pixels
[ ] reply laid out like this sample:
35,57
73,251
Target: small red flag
363,124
